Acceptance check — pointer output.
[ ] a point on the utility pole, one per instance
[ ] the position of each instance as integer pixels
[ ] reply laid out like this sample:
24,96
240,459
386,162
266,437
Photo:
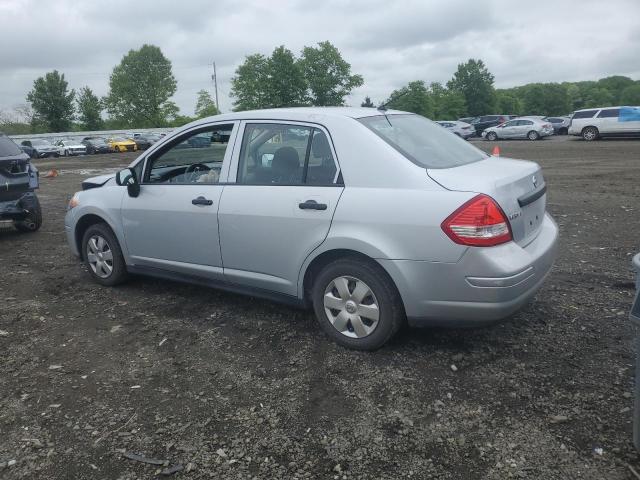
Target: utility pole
214,77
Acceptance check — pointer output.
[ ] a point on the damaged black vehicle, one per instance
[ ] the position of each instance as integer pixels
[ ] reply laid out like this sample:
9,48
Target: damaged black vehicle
18,181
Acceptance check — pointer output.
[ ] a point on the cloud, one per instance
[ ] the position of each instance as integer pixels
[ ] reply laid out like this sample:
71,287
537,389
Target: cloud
389,43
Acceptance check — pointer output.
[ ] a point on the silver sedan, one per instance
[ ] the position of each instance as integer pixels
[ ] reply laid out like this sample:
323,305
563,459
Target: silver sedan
524,127
372,218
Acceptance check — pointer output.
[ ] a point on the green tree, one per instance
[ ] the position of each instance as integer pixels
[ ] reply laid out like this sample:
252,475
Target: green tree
631,95
475,82
414,97
447,104
250,86
52,102
615,84
508,102
287,86
367,103
328,75
140,88
205,106
598,97
545,99
89,110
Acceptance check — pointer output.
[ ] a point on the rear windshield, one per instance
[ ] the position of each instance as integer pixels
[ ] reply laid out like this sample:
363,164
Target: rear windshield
422,141
8,148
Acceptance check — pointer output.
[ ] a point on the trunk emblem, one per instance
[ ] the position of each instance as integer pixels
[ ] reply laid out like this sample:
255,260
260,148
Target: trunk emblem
534,179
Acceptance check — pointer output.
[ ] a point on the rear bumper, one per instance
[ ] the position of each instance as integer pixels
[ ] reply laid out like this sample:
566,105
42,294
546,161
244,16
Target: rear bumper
484,286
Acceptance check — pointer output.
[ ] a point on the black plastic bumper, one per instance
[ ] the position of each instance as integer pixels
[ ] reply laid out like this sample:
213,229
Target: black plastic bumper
19,209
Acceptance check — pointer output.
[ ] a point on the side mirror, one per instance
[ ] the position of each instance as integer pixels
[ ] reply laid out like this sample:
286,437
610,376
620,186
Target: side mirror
127,177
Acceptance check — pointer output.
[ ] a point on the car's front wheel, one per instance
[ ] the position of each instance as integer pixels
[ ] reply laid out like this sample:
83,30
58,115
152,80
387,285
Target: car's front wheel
103,256
356,304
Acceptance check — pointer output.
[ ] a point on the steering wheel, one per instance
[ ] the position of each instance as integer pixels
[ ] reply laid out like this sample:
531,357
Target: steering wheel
195,169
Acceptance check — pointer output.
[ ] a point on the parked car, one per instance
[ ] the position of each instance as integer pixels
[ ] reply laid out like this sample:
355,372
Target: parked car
299,227
523,127
466,119
462,129
69,146
122,144
560,124
486,121
96,145
144,140
29,150
594,123
18,181
41,148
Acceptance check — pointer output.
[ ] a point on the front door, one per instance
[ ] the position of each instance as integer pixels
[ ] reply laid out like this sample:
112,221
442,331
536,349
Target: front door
173,223
280,206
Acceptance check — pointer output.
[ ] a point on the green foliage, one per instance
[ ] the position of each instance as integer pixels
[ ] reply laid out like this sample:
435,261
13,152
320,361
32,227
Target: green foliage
414,97
447,104
474,81
328,75
320,77
180,120
631,95
205,106
508,103
52,102
140,88
367,103
89,110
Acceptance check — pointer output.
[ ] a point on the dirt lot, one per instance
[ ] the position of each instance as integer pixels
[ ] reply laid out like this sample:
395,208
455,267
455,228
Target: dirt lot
231,387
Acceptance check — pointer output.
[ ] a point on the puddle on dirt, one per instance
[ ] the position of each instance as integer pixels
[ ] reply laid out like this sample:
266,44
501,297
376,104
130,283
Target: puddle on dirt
93,172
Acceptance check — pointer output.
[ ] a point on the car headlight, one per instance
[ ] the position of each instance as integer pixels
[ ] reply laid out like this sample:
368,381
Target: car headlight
74,202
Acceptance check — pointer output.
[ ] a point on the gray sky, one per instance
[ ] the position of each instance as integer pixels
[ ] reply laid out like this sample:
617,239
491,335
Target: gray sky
388,42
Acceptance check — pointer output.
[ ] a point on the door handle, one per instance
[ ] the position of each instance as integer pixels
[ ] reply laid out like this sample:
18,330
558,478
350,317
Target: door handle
202,201
312,205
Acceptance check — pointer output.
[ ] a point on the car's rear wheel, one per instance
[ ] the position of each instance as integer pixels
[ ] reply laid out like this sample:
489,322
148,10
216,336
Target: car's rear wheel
533,135
103,256
493,136
590,133
357,304
33,220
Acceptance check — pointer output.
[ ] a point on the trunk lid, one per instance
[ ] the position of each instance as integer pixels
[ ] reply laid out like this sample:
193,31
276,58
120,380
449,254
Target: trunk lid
517,185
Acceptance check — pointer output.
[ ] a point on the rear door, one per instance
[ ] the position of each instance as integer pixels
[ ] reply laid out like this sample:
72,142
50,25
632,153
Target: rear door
608,121
283,189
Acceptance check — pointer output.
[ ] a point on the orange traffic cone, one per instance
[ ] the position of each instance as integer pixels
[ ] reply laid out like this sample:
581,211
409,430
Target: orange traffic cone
496,151
52,173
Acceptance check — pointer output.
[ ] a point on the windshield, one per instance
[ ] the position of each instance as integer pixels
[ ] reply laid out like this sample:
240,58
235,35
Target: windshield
422,141
120,139
8,148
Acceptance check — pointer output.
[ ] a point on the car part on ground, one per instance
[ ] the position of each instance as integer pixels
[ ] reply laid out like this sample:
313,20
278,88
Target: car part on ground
344,239
520,128
18,182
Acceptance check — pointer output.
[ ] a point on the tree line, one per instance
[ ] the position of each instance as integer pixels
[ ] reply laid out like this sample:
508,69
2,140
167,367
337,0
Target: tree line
142,84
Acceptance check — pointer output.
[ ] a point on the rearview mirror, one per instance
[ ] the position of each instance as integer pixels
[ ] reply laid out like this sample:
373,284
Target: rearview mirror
127,177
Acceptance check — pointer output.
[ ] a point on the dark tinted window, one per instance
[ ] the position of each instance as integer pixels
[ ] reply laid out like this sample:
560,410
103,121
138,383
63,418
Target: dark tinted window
584,114
611,113
8,148
554,120
321,169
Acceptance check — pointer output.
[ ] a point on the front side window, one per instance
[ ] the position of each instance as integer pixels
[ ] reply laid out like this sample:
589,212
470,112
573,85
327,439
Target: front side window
192,159
281,154
422,141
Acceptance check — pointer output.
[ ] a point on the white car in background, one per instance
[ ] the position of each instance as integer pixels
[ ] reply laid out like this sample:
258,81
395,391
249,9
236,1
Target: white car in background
462,129
523,127
594,123
68,147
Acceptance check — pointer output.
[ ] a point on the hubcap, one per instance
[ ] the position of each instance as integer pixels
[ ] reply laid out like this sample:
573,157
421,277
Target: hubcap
351,307
99,256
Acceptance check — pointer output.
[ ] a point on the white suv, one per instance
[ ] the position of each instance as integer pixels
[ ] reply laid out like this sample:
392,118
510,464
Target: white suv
593,123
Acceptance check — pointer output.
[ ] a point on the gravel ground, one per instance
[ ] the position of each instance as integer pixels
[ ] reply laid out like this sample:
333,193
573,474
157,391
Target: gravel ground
215,385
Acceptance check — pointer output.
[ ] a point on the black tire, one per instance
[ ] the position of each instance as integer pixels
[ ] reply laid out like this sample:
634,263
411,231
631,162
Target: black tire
33,222
119,268
590,134
533,135
492,136
391,310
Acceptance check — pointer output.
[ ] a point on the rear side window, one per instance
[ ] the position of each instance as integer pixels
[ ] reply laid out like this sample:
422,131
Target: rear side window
525,122
611,113
8,148
423,142
584,114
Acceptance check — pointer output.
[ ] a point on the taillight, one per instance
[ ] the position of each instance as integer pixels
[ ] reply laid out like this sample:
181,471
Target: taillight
479,223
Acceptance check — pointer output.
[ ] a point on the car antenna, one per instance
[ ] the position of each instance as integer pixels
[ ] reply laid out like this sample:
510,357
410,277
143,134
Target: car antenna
383,106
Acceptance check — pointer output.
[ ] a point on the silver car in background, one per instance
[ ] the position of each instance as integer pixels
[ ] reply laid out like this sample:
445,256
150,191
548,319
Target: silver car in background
372,218
522,127
461,129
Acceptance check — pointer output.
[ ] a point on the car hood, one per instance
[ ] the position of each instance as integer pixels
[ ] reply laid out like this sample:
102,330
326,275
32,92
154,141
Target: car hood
99,181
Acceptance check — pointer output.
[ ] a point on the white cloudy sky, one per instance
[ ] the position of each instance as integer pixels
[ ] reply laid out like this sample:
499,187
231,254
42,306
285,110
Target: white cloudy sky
389,42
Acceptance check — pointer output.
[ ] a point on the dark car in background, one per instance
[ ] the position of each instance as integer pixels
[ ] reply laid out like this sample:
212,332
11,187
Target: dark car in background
486,121
41,148
560,124
145,140
467,119
96,145
18,182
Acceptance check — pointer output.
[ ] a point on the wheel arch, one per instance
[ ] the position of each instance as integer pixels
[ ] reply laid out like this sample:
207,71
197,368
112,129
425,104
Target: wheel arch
86,221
